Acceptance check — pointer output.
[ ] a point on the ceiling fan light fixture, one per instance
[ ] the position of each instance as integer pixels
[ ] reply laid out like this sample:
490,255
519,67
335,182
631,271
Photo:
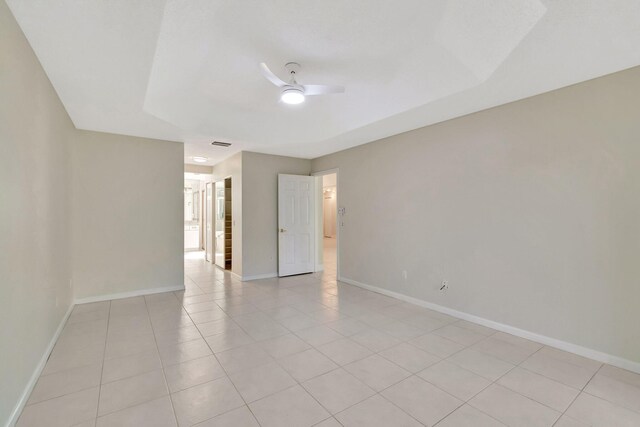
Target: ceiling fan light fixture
292,96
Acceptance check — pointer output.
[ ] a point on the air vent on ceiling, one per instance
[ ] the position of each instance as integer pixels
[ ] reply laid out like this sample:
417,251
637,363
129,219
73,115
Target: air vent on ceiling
221,144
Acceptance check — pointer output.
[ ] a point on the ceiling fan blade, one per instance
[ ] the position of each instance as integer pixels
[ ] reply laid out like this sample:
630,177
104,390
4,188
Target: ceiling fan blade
322,89
266,72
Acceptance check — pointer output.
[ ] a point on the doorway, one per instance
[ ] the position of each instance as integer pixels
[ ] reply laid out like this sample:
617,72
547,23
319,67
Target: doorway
327,224
223,224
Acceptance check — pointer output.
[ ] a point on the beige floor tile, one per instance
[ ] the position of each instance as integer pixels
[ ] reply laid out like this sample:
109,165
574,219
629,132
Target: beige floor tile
539,388
574,359
329,422
347,326
598,412
463,336
401,330
468,416
94,327
284,345
207,316
241,358
175,336
131,391
482,364
377,372
184,352
217,327
566,421
337,390
262,381
423,401
76,317
437,345
375,411
325,315
375,340
512,408
65,382
318,335
344,351
291,407
425,322
475,327
503,350
102,306
228,340
128,366
63,411
193,372
455,380
88,423
307,364
409,357
620,374
68,358
520,342
298,322
615,391
204,401
240,417
129,346
155,413
559,370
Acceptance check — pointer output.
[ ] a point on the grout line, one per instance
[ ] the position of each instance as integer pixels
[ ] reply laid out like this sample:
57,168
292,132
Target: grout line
223,368
309,294
104,352
164,375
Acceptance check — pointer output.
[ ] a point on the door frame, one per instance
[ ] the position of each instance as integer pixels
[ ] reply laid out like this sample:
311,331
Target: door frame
209,217
319,211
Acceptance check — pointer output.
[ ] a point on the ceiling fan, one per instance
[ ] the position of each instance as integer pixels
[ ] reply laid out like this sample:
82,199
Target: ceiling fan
293,92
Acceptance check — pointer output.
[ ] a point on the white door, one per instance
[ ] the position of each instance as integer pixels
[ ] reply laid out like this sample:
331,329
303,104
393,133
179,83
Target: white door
208,241
296,224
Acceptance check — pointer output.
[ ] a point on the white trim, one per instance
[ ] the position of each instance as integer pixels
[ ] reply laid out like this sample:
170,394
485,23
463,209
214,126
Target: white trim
259,276
542,339
129,294
13,418
319,267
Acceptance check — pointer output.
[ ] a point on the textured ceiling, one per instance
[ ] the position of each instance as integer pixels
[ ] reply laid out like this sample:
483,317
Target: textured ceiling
188,70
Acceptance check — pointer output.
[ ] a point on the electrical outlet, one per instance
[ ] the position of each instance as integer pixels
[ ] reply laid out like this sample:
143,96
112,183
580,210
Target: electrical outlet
444,286
404,274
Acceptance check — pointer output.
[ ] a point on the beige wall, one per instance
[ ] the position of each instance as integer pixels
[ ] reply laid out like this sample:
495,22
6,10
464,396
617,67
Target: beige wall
232,167
127,214
530,211
103,209
202,169
260,207
34,224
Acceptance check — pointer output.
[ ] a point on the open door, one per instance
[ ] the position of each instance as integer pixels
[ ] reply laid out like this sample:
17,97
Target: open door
220,224
296,224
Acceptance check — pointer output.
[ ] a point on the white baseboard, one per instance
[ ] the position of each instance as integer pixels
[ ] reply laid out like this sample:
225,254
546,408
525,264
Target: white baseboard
542,339
259,276
130,294
13,418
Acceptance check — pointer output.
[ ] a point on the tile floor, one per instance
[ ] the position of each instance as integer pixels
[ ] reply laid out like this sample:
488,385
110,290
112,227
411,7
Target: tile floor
309,351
